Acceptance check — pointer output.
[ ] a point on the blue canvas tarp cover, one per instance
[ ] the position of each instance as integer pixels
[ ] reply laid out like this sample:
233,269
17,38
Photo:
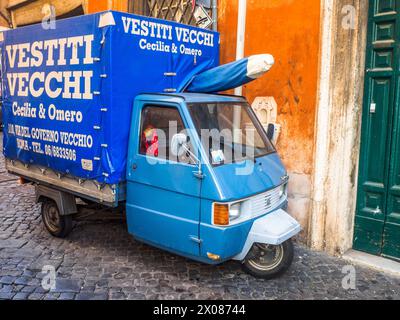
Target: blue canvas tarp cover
68,92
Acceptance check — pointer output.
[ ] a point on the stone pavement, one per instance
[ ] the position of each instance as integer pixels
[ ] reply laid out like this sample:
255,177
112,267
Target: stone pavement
99,260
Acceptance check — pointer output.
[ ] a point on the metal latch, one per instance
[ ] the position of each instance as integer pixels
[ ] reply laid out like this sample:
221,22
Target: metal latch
170,74
372,108
169,90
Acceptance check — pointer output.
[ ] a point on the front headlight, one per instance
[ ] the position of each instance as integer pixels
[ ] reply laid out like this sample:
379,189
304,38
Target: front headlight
223,214
235,211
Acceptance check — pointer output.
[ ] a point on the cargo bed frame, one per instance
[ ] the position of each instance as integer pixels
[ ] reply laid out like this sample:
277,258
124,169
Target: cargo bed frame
105,194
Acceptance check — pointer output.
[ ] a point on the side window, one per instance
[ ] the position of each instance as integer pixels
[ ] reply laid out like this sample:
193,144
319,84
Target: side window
158,125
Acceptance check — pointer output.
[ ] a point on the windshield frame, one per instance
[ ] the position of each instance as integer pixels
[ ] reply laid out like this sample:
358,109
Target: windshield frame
252,115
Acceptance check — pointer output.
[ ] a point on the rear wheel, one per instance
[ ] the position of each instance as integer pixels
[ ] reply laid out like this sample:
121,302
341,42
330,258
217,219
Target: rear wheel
268,261
57,225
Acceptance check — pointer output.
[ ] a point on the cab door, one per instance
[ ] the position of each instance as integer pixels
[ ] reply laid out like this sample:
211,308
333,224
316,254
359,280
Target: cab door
163,194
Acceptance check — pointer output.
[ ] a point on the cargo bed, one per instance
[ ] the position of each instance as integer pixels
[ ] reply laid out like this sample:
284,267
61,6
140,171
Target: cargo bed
68,110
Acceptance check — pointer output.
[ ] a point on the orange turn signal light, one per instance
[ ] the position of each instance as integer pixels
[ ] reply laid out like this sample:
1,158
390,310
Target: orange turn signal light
213,256
221,214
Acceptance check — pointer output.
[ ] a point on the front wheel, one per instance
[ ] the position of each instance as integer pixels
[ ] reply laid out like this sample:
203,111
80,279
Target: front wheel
57,225
268,261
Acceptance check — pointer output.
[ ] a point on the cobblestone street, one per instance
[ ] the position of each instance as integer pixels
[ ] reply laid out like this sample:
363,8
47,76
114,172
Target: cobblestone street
99,260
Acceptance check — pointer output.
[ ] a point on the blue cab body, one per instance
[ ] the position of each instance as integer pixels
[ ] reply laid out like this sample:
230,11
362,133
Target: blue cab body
170,207
72,105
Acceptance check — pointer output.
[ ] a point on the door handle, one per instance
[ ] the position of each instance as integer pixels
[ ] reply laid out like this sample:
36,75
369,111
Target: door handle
134,166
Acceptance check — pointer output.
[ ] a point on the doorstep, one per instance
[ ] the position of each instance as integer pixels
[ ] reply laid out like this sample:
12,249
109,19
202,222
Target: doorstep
374,262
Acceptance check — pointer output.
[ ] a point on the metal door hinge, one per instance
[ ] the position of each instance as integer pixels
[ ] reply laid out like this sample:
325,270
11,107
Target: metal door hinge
196,239
198,175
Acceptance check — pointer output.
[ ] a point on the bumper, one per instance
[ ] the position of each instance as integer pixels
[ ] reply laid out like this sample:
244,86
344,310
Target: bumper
274,228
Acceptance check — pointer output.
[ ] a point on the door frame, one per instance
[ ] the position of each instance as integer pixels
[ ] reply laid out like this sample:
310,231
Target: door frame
337,127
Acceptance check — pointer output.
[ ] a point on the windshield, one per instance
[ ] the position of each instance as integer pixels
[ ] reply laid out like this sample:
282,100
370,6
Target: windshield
229,132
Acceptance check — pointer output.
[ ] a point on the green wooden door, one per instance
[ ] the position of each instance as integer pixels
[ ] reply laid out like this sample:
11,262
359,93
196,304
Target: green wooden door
377,224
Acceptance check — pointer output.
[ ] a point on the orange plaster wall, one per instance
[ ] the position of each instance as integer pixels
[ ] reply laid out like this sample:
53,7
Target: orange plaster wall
98,5
289,30
102,5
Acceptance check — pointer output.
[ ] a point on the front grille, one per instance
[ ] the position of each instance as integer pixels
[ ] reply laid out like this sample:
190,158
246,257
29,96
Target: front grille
265,202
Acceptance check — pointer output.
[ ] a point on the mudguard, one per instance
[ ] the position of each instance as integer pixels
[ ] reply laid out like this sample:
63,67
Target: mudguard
274,228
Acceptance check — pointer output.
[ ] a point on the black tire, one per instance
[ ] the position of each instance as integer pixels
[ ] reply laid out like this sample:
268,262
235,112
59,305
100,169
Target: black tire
57,225
271,268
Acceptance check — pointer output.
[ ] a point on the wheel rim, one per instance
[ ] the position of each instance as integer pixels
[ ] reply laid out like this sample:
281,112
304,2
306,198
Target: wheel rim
268,257
52,218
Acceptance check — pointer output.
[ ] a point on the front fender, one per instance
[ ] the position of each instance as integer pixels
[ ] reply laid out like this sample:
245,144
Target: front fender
274,228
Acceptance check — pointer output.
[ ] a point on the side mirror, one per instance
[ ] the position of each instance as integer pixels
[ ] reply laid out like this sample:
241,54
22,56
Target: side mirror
178,144
273,131
270,131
